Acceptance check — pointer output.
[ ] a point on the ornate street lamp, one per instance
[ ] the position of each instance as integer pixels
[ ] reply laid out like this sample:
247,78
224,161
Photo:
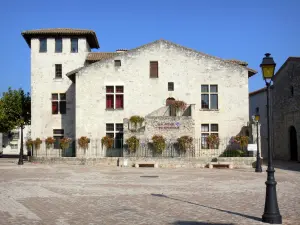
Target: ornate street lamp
258,168
271,212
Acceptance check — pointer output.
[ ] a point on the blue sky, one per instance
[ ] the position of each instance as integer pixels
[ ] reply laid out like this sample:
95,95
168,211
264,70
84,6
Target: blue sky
243,30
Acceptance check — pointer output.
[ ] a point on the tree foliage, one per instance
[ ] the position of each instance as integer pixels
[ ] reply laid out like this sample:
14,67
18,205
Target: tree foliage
11,113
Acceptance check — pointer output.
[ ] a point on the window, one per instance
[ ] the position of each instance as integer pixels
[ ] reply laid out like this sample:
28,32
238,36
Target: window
115,131
15,136
257,110
43,45
209,97
57,135
206,130
58,44
14,146
154,69
74,44
170,86
117,63
58,71
114,97
59,103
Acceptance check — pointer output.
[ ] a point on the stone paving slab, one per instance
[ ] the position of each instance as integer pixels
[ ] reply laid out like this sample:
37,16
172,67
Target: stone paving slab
66,194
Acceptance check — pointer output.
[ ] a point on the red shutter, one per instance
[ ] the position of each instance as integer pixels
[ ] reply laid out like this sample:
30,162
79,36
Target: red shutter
119,101
54,107
154,69
109,101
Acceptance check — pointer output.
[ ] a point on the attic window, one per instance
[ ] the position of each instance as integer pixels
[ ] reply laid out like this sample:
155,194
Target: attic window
154,69
117,63
170,86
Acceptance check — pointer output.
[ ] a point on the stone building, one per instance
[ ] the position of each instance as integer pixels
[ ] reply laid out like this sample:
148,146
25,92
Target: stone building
284,111
76,92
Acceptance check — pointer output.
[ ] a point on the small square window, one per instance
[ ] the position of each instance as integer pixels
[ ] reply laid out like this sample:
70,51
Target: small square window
62,96
204,128
214,127
54,96
119,127
43,45
74,45
204,88
214,88
58,45
117,63
109,127
109,89
119,89
58,71
170,86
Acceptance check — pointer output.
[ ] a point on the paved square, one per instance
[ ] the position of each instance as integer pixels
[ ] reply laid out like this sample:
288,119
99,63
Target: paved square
64,194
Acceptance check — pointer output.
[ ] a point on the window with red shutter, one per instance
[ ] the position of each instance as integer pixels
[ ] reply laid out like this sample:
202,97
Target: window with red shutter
109,101
154,69
59,103
119,101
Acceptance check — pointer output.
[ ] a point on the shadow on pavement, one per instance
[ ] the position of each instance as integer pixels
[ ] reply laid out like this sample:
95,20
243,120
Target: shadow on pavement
221,210
199,223
285,165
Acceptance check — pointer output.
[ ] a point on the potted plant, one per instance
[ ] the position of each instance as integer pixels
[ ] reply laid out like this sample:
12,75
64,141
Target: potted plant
49,142
133,143
29,144
185,143
179,105
159,143
107,141
241,140
135,120
213,141
83,143
64,144
37,143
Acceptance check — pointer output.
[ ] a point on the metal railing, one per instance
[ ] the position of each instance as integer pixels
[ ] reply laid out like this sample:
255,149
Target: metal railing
226,148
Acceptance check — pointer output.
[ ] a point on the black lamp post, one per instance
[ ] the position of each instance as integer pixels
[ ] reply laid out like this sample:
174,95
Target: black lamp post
258,168
22,127
271,212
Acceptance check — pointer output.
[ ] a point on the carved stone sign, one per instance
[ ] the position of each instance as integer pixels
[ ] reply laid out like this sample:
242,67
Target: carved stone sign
168,125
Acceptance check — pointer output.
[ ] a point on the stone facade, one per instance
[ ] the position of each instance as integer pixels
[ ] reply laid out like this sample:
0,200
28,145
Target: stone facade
284,111
188,70
86,89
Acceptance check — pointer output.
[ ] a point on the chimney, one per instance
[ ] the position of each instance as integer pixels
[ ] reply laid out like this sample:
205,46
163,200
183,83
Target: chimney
121,50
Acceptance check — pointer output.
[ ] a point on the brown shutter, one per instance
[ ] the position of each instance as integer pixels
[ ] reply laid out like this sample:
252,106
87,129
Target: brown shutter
154,69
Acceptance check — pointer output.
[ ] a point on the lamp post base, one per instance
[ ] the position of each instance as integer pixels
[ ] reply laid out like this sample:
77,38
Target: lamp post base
272,218
20,162
258,168
271,212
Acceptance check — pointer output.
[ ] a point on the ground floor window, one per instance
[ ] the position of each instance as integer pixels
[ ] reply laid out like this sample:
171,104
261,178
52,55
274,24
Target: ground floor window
206,130
57,135
115,130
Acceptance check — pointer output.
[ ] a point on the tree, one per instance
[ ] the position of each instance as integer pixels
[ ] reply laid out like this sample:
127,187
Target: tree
11,113
15,112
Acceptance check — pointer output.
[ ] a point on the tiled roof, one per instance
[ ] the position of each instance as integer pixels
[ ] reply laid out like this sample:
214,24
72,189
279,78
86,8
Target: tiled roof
54,32
96,56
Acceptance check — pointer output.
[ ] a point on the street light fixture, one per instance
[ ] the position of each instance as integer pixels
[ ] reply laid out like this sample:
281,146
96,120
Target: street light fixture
271,211
258,168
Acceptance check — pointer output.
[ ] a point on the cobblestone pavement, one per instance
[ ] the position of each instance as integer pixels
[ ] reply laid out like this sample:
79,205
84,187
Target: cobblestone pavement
64,194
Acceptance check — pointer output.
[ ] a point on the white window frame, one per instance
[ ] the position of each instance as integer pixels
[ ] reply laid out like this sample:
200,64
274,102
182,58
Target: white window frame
114,94
207,133
209,93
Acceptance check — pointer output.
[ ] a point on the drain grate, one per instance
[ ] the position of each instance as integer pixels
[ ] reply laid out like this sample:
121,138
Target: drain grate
150,176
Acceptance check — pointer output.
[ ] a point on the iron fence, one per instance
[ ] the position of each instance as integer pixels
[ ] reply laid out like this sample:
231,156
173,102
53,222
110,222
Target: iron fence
226,148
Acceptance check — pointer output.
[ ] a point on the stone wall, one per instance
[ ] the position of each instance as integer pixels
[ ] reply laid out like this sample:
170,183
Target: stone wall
238,162
187,68
286,108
